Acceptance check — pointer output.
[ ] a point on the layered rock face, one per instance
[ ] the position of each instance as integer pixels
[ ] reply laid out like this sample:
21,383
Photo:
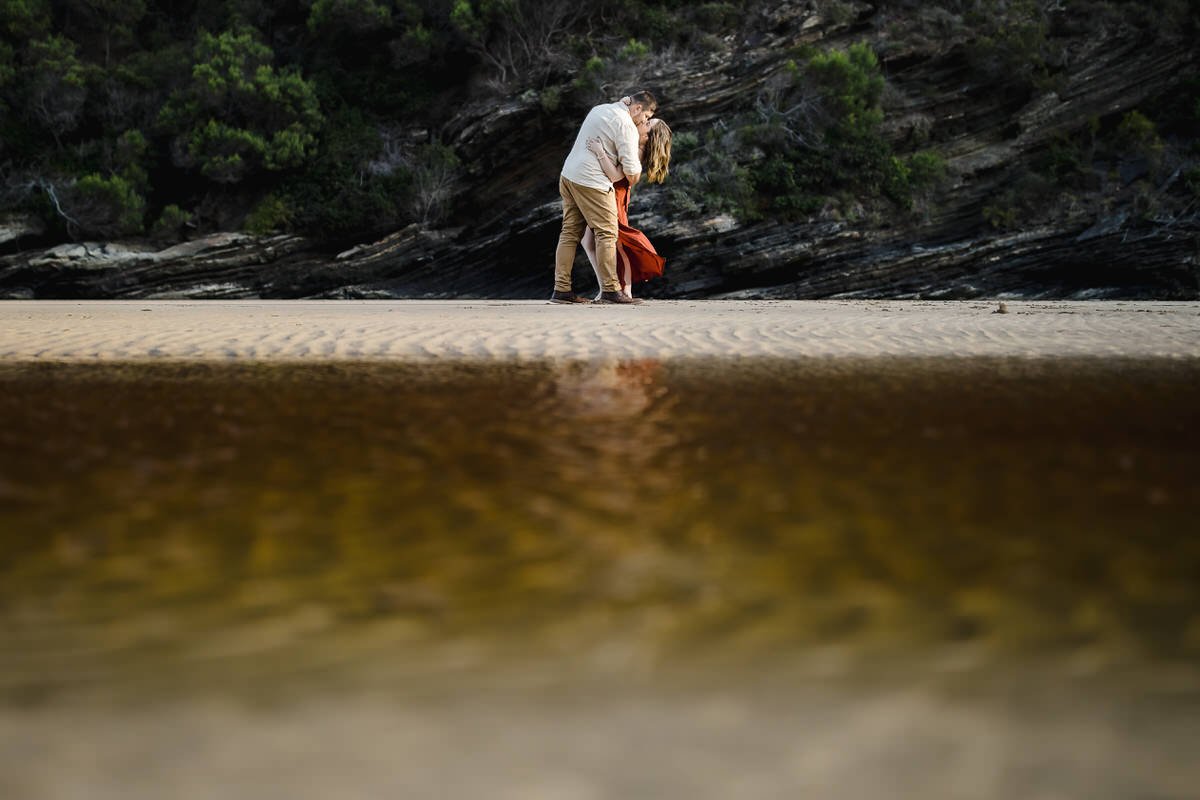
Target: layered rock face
500,240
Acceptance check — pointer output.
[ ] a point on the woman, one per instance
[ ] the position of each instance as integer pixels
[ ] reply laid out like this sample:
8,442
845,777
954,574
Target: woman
637,259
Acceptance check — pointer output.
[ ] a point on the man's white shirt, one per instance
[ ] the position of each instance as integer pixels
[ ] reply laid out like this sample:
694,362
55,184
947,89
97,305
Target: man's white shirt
619,137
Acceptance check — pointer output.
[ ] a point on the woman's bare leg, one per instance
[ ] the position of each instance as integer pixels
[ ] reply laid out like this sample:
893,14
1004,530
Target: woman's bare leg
626,272
589,249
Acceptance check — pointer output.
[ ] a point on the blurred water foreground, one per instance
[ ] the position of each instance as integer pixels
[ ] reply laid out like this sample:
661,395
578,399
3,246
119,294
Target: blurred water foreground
687,579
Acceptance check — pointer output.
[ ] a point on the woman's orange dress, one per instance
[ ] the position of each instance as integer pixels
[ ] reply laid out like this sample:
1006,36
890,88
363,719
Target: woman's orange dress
644,261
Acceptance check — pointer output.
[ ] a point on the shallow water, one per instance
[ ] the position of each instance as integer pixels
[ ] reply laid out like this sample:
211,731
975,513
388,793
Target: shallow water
905,554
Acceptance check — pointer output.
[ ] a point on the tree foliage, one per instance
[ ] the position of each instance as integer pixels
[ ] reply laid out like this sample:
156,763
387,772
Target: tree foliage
357,16
337,117
106,205
814,133
239,114
24,19
517,36
55,85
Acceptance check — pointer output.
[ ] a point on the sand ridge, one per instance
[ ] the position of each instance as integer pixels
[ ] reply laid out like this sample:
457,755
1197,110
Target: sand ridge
57,330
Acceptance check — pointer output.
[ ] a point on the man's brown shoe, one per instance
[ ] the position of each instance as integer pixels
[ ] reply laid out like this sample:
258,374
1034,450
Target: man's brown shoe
567,298
620,299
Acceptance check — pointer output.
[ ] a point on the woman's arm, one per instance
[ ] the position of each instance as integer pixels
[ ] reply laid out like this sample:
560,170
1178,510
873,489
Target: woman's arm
611,170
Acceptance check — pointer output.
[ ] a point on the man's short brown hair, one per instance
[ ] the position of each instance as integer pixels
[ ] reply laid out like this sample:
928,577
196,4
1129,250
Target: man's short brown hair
645,99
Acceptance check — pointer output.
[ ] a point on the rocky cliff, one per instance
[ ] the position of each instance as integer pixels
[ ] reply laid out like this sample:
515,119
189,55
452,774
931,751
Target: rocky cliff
1121,229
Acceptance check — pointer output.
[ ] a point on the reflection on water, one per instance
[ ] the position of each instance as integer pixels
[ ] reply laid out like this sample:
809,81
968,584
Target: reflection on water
292,531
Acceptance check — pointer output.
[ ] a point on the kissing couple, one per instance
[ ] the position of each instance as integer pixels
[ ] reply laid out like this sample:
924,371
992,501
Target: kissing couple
615,143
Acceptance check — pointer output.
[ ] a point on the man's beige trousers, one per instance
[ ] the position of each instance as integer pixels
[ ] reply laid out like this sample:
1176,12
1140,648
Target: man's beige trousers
583,207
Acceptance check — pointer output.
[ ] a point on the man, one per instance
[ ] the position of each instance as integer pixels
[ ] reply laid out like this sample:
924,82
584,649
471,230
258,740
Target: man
587,194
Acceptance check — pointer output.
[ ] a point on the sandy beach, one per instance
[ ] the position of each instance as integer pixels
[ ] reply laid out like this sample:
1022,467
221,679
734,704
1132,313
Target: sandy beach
689,550
503,330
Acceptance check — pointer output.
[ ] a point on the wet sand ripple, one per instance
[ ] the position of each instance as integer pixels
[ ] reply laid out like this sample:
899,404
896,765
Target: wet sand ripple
504,330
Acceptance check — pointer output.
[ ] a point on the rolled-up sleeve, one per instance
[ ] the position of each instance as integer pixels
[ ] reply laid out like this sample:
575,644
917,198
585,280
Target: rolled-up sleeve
627,149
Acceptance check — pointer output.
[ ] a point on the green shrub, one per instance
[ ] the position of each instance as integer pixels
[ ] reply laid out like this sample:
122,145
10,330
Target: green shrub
434,172
896,181
590,74
1010,48
601,79
838,12
357,183
550,99
854,152
815,133
851,85
357,16
55,85
25,19
225,153
1136,128
104,206
684,143
1028,197
1191,179
1136,132
926,170
469,24
522,41
704,181
1154,16
8,64
171,224
633,50
1003,217
240,115
130,153
647,21
1136,137
1063,161
787,197
718,17
271,215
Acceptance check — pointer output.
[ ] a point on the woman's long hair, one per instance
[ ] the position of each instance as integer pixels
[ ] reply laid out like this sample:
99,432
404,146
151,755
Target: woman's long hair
658,152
